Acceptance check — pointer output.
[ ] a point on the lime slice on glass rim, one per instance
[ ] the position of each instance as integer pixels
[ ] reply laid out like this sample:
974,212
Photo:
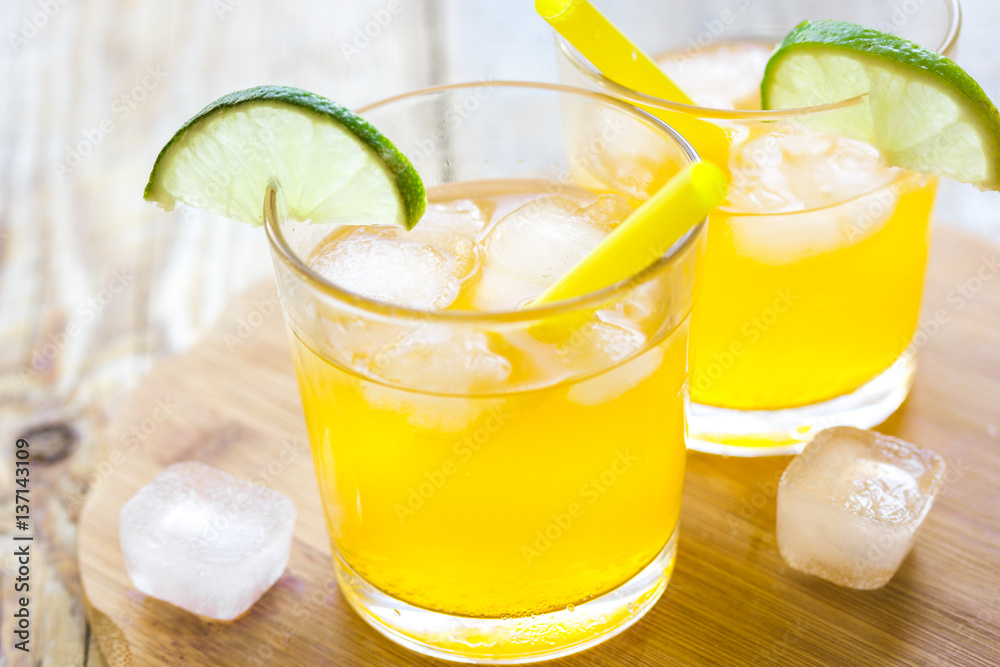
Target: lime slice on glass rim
920,110
330,164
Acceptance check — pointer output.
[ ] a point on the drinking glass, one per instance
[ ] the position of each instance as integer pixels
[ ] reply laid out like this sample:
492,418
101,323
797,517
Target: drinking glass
807,313
512,516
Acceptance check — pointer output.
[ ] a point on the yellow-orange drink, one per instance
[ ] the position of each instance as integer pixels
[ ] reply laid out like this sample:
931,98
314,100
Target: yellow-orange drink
501,480
461,475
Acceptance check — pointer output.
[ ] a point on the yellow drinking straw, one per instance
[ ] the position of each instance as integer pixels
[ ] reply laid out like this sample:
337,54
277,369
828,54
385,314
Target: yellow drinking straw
620,60
644,236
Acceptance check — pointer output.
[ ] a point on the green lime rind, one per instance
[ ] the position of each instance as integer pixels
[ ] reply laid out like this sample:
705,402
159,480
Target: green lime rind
922,111
362,150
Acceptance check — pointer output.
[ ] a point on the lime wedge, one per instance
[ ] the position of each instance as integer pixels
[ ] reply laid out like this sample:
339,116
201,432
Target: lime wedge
921,110
331,164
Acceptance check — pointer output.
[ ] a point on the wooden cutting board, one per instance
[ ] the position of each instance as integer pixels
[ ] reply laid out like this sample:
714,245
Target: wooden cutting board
232,402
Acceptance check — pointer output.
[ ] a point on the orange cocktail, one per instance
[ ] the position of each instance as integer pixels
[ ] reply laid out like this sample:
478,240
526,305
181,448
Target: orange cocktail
493,493
814,265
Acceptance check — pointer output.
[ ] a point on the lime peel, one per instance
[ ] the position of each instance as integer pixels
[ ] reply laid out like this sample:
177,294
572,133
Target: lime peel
332,165
921,110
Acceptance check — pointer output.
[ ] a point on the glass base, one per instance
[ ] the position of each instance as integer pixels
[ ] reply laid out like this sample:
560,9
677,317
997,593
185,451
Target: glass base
509,641
780,432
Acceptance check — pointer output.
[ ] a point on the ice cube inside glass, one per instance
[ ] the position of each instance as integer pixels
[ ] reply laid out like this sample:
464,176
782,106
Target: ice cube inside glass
446,435
206,541
850,504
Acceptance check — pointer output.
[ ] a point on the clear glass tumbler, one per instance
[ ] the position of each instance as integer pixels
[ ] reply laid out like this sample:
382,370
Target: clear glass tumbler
495,494
814,266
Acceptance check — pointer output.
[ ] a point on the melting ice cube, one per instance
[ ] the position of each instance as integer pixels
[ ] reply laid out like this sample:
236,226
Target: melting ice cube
205,541
419,268
826,192
541,240
430,372
462,216
596,348
850,504
493,291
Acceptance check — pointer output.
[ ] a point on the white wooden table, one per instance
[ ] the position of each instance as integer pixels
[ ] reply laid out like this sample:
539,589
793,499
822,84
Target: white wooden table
96,285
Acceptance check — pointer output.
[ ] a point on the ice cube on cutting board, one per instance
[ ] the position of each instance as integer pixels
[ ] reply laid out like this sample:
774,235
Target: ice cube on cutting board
205,541
850,504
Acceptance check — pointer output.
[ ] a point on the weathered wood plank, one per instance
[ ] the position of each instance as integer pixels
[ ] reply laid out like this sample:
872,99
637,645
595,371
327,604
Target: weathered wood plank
95,284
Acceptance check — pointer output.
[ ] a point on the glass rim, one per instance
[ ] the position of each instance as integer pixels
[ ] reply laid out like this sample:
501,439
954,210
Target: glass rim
635,97
591,300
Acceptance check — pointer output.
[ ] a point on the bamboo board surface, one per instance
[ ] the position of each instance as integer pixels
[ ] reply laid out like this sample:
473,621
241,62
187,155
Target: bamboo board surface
231,401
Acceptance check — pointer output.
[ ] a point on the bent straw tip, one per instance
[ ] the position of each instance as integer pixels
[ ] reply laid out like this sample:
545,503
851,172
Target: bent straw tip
549,9
709,183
